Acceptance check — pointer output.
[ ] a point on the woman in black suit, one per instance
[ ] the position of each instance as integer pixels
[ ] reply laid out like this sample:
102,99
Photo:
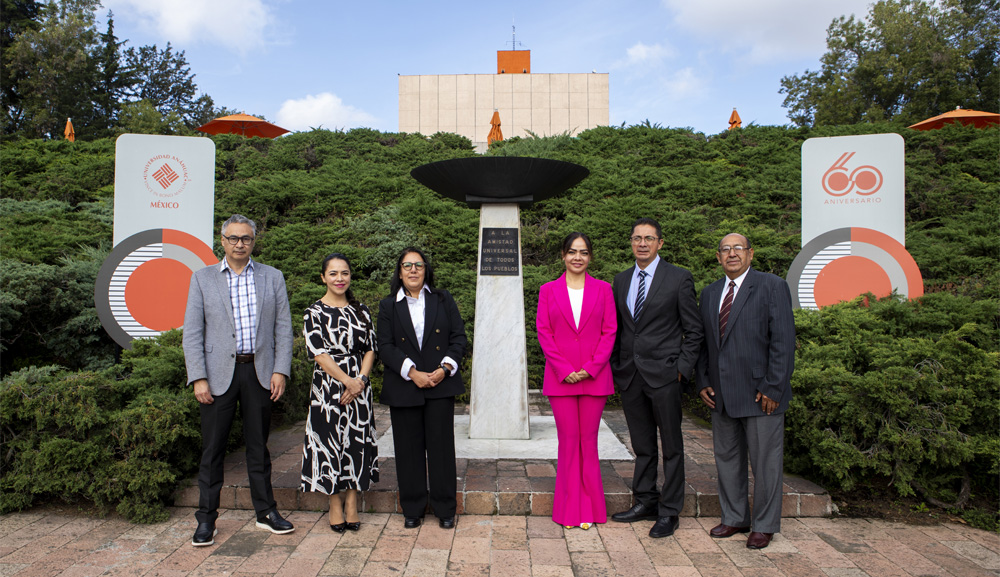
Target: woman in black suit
421,339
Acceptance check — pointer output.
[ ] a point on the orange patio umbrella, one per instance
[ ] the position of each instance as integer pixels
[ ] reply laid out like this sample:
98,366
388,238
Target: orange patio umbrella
734,120
495,134
242,124
68,133
977,118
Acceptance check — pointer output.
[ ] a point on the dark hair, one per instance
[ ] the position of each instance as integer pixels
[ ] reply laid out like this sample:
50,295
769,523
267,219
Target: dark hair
239,219
568,242
351,299
745,237
397,283
650,222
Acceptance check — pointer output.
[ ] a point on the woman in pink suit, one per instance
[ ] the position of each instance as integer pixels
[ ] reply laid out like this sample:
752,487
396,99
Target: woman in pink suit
576,329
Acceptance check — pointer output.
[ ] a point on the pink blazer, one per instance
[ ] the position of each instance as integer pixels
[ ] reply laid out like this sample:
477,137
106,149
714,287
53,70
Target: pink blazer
567,348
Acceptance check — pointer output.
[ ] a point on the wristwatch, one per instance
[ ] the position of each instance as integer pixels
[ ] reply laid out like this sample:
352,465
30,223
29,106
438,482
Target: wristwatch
445,368
364,379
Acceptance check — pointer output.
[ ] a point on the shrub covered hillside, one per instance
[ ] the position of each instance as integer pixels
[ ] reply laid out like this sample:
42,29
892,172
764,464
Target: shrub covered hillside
902,392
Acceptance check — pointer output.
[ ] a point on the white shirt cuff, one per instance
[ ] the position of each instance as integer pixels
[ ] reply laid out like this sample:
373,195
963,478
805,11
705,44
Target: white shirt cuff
454,365
405,371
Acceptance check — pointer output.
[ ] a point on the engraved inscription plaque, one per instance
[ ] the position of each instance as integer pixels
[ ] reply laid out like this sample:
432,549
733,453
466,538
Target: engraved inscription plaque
499,253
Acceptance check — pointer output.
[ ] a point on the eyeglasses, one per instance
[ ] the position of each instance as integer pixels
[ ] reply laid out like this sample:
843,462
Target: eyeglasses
649,239
409,265
235,240
738,249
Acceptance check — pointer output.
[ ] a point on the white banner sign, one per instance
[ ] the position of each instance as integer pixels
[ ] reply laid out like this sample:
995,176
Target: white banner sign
164,212
853,181
164,182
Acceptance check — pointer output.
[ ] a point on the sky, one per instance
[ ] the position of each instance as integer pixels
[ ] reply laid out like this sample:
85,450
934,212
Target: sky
330,64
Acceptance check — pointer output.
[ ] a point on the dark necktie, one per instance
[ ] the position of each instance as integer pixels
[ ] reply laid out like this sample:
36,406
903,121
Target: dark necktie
727,305
640,295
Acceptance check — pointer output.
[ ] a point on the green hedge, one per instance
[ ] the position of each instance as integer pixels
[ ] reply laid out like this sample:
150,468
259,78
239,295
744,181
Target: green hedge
121,438
904,391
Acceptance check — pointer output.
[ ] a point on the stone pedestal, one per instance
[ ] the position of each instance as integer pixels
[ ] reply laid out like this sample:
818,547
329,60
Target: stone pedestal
499,185
499,407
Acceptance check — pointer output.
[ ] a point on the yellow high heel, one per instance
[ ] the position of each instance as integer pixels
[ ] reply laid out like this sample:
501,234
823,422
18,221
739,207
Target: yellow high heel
585,526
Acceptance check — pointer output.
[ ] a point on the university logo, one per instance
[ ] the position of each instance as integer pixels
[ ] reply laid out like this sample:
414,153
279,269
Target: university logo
165,175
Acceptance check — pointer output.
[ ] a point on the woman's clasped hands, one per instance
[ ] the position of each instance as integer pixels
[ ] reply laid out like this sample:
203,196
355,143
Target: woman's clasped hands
426,380
577,376
352,390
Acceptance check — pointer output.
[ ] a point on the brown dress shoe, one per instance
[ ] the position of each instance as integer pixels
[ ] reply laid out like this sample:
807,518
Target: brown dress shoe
759,540
721,531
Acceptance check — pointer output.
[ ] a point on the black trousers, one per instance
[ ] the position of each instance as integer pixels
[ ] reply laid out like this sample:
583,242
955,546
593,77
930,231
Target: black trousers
216,420
646,410
425,437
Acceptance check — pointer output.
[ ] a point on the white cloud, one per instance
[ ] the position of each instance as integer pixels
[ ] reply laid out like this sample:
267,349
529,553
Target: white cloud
683,84
239,25
643,53
326,110
765,30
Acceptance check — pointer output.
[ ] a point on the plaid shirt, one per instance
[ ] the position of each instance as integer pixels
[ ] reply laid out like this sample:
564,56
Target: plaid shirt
243,294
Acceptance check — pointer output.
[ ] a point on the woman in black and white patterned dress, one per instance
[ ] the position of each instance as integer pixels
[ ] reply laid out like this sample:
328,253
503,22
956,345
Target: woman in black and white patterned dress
340,456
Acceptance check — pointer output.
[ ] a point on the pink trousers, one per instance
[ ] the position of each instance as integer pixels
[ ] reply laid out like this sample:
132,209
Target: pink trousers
579,495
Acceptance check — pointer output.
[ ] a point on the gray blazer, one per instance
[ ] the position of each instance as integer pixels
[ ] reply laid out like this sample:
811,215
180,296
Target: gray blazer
757,353
666,337
210,330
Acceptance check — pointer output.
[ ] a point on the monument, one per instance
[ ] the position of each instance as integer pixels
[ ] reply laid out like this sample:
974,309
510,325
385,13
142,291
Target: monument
499,186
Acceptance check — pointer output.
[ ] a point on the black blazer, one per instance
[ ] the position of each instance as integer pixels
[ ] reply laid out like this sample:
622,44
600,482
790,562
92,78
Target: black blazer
757,353
666,338
444,336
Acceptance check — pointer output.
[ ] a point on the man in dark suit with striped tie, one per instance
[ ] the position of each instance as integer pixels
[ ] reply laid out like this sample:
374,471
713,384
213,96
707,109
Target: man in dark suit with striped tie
744,375
656,349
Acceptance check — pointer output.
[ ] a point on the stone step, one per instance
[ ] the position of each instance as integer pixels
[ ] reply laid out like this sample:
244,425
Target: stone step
511,492
503,486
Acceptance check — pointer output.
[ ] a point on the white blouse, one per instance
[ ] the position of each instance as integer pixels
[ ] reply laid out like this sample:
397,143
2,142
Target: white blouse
576,303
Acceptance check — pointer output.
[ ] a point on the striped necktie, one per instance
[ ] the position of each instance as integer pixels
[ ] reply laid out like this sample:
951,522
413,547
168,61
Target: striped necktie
640,295
727,305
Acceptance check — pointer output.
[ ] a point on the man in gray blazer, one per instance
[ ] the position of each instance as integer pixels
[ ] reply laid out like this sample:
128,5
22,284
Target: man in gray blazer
744,376
238,350
656,349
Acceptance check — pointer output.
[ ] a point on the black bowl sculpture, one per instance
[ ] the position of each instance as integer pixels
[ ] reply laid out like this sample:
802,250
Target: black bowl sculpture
499,179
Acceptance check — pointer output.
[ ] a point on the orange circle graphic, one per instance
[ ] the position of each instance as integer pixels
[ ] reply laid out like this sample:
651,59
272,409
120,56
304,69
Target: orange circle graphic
866,180
848,277
156,293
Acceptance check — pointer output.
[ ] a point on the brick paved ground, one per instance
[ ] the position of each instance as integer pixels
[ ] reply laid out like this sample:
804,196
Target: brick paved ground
523,541
50,544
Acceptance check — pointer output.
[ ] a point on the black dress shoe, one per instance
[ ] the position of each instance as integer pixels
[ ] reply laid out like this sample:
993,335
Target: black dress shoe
204,535
639,512
411,522
339,527
274,523
355,526
447,522
664,527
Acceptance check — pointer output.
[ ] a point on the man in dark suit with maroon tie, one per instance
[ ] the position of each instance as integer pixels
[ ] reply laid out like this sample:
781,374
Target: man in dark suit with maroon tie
744,375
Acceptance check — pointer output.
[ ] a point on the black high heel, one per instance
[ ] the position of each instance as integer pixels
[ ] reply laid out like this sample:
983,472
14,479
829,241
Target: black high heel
355,526
340,527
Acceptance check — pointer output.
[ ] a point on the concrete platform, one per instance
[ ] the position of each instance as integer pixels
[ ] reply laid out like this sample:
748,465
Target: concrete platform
506,483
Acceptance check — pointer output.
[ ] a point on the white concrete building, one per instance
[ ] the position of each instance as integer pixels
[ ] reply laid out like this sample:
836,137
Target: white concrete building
545,104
